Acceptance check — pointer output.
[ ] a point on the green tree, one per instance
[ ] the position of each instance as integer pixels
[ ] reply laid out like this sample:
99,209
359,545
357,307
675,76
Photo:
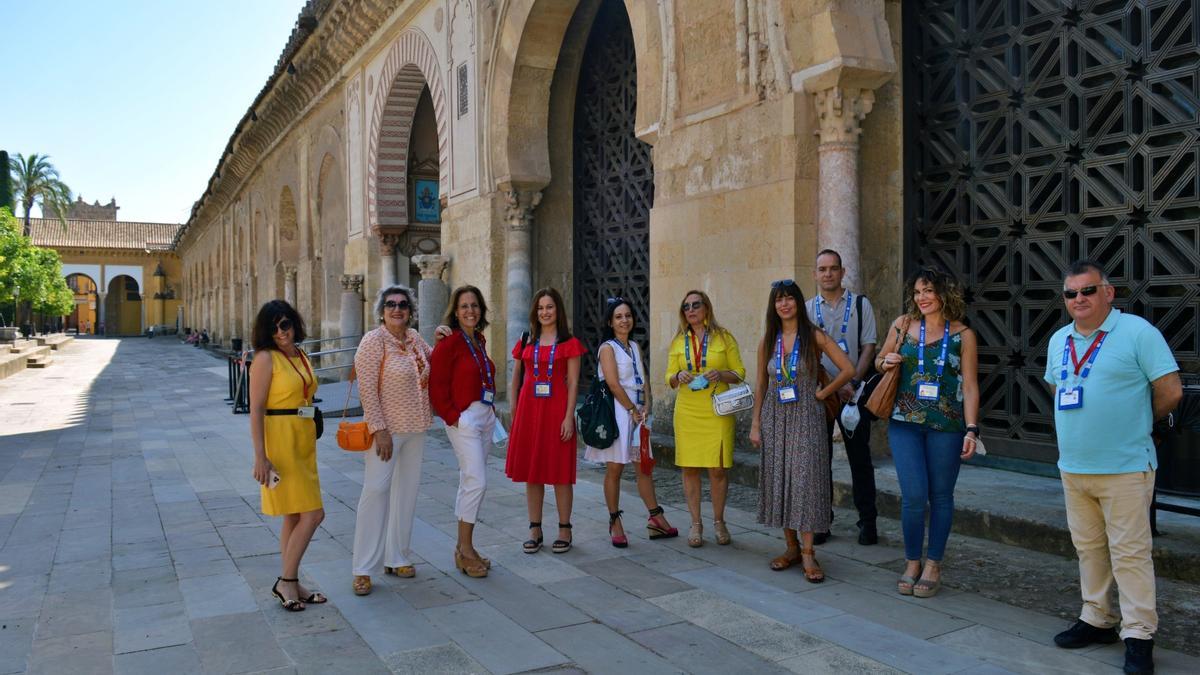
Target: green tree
35,181
36,271
6,196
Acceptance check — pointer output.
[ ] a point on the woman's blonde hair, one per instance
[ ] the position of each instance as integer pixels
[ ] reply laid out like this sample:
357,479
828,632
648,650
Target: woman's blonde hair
947,289
710,320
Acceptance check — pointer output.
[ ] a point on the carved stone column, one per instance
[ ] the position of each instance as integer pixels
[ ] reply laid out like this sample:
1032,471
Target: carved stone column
388,245
289,284
840,112
432,293
351,316
100,328
518,289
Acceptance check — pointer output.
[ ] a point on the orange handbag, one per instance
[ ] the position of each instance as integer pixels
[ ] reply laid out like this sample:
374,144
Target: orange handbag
355,436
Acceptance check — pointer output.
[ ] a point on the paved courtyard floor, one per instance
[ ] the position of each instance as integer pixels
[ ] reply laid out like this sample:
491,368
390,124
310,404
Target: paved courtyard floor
131,541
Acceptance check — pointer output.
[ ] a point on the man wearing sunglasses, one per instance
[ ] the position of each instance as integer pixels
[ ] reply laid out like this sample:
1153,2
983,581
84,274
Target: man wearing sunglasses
849,320
1112,375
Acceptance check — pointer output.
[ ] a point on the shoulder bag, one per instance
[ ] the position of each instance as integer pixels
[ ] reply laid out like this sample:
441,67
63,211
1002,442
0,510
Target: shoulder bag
736,398
355,436
597,417
880,390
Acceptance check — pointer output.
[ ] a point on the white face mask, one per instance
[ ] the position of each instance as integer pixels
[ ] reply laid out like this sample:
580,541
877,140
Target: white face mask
850,417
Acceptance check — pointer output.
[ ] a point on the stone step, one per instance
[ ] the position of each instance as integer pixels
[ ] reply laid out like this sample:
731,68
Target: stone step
19,346
11,364
54,340
33,350
39,361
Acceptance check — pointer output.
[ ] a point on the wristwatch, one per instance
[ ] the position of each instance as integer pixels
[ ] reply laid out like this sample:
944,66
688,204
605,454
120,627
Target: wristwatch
973,428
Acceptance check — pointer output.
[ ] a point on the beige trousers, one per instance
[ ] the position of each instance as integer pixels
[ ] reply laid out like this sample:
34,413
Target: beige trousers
1109,518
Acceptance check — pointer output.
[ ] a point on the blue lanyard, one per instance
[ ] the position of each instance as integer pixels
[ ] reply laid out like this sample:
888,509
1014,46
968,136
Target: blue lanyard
550,370
687,350
633,355
793,361
1087,368
485,368
845,315
941,359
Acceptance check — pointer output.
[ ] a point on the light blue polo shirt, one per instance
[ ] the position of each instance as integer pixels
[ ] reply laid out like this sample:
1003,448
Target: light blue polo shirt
1111,432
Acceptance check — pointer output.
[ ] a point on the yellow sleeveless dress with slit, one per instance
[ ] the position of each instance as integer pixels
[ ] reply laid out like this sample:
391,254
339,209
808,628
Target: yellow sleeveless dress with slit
291,442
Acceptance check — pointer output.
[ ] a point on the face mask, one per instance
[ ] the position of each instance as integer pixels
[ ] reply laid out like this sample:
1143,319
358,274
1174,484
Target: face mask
699,382
850,417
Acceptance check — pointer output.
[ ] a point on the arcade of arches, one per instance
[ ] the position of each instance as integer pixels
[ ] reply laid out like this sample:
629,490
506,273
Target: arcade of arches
646,147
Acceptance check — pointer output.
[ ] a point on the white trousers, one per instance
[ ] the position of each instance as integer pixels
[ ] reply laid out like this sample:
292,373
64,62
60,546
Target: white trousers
472,441
383,528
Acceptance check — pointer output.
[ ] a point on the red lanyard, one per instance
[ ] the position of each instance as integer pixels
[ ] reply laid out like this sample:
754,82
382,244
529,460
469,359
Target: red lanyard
1078,362
307,367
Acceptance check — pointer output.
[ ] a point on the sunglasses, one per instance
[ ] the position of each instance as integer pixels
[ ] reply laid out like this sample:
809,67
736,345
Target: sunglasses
616,301
783,283
403,304
283,326
1071,293
691,306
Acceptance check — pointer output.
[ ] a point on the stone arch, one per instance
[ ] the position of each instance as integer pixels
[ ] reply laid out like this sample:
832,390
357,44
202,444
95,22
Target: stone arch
523,61
411,63
83,316
331,210
123,306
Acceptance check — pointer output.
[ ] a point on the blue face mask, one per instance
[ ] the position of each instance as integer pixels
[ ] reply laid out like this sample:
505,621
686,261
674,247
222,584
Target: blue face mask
698,383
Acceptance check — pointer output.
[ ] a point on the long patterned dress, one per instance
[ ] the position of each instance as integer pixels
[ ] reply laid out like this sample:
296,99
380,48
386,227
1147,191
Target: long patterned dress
793,481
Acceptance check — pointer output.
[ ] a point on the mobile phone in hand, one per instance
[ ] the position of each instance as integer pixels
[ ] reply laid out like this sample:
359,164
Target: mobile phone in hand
272,480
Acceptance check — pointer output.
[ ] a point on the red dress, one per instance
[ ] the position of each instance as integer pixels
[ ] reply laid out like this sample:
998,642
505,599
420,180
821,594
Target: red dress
535,453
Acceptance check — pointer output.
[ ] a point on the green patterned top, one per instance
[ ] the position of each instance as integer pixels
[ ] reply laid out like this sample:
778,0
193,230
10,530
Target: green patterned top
944,414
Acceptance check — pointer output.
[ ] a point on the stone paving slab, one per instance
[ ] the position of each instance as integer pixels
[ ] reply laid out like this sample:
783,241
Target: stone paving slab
131,542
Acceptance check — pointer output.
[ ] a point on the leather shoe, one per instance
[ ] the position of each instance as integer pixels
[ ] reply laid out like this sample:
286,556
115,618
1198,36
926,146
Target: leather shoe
820,537
1083,634
1139,655
867,534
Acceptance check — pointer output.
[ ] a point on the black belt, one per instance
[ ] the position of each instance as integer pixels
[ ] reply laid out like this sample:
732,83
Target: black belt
282,411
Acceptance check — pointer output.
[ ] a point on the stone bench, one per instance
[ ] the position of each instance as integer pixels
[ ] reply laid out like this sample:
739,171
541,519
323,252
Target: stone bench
55,341
11,364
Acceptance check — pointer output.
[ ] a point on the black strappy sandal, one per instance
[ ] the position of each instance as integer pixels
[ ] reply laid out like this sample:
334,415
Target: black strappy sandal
561,545
289,605
532,545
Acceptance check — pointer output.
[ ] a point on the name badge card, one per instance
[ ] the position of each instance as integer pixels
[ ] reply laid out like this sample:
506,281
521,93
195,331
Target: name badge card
489,397
641,397
1070,399
928,391
306,412
844,345
788,394
541,389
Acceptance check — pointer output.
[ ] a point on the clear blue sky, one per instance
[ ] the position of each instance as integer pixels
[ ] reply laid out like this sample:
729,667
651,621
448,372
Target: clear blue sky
135,99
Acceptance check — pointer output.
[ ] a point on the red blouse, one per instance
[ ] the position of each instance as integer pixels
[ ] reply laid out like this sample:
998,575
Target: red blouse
455,377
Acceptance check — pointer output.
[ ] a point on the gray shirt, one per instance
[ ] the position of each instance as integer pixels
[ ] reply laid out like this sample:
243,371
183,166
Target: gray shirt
833,315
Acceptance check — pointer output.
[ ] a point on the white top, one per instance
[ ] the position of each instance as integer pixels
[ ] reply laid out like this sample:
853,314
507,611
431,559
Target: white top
626,448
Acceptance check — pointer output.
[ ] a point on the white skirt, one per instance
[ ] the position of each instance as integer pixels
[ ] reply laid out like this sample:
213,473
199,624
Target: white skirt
625,448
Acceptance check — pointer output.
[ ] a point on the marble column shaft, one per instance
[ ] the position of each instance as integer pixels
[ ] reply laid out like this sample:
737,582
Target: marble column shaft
350,317
432,293
289,284
518,289
840,112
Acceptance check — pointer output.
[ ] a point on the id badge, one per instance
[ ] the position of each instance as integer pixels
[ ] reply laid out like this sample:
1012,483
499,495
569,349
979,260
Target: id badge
788,394
1070,399
844,345
306,412
541,389
489,397
641,397
928,391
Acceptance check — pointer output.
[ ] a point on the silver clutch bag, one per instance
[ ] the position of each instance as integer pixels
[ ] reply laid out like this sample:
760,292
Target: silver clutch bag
734,399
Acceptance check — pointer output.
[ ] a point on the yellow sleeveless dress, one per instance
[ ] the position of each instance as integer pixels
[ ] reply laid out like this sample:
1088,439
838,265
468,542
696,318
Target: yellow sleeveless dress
291,442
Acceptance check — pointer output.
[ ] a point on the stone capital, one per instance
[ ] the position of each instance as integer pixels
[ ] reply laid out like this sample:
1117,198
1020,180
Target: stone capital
289,272
431,265
519,206
840,112
352,282
388,243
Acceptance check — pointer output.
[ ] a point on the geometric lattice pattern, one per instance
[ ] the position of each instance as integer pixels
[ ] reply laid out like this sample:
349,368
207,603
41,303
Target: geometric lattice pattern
1038,132
613,183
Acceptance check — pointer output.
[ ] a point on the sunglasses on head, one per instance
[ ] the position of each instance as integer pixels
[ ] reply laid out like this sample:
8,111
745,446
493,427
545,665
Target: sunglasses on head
693,305
1071,293
283,326
391,304
783,283
616,301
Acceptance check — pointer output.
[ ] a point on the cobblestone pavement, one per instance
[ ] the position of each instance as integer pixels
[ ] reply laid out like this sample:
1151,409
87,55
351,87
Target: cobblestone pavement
130,541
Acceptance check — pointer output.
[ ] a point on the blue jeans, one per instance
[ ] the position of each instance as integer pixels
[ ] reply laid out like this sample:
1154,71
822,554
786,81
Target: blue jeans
927,464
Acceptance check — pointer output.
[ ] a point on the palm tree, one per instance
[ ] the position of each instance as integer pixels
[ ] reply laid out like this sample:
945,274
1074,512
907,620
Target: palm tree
36,180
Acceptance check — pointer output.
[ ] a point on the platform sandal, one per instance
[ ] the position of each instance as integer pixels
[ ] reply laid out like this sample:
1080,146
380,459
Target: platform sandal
621,541
561,545
532,545
658,527
289,605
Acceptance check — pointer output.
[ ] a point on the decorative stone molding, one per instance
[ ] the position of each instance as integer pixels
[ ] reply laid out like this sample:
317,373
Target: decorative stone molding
519,206
840,113
388,244
352,283
431,265
289,273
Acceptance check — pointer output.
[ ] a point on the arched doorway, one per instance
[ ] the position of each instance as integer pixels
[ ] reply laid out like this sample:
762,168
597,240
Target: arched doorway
613,181
123,307
83,318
